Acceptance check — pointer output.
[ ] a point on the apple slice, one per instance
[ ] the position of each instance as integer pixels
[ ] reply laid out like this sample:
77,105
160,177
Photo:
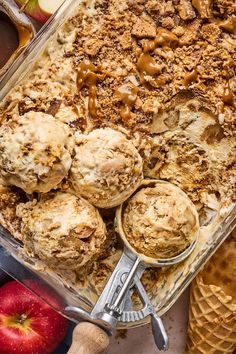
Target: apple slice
49,7
40,10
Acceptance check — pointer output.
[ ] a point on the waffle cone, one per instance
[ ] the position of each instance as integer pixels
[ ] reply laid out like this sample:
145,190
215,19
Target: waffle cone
212,313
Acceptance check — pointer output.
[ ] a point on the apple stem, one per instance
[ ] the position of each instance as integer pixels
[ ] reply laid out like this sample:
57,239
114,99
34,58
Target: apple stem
22,318
24,5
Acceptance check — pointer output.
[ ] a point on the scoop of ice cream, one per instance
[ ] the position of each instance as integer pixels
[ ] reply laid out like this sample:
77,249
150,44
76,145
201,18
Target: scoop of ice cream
160,221
107,167
63,230
35,151
182,160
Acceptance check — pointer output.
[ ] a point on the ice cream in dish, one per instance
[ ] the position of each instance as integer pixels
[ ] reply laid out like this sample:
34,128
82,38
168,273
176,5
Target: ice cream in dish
35,151
107,167
160,221
62,230
183,129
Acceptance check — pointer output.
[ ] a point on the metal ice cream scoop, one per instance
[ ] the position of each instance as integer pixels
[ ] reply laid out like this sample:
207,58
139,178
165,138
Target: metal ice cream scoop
115,303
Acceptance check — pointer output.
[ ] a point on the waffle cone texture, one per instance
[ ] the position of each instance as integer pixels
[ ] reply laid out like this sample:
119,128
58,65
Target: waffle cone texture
212,312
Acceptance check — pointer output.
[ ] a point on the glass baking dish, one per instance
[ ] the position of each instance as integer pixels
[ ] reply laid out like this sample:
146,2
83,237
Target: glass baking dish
23,28
25,60
171,286
22,21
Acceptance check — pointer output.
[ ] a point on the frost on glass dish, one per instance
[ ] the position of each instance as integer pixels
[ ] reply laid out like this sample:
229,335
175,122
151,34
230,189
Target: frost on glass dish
170,285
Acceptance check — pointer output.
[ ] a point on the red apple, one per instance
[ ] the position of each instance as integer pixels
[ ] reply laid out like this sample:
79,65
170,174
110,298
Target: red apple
40,10
27,324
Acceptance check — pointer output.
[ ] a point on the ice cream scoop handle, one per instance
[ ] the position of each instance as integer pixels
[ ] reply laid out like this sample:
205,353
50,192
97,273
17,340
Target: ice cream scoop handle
88,339
159,333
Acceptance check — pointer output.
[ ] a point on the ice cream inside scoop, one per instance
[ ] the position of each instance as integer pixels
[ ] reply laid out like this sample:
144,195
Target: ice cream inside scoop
160,221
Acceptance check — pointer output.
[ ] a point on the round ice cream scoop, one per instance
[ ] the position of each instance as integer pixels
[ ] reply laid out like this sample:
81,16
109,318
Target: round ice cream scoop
158,215
155,213
62,230
35,151
159,221
106,169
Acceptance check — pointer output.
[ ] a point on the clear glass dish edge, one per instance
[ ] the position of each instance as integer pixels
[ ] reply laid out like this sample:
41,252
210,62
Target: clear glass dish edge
16,73
26,59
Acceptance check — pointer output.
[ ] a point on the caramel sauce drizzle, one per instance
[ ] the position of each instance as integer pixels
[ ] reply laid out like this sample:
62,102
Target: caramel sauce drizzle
203,7
229,25
127,95
24,35
14,36
228,96
230,64
146,64
190,77
164,38
87,76
213,133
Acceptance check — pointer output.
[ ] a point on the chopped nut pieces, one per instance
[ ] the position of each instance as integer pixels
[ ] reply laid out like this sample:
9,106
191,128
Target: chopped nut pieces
144,27
93,46
186,11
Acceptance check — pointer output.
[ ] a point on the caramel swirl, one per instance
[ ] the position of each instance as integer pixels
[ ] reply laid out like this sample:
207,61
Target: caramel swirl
229,25
147,66
164,38
149,70
213,133
127,95
190,77
230,64
203,7
14,36
228,96
87,76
